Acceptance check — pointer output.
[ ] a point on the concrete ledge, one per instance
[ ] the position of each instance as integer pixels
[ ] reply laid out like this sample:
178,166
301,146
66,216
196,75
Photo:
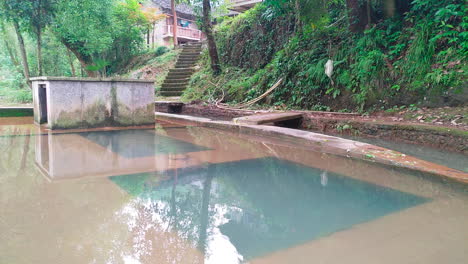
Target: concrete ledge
82,79
328,144
16,111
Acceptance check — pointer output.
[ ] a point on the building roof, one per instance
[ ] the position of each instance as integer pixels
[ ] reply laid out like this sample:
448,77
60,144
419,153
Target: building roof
183,10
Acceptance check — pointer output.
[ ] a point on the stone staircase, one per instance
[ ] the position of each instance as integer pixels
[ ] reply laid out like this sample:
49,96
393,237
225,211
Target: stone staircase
177,79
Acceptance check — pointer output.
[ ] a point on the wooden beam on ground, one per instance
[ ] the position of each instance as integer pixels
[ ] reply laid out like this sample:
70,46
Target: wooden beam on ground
267,118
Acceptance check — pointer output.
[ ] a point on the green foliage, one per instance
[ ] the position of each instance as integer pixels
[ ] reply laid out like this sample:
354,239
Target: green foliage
161,50
109,30
418,58
98,66
85,24
251,39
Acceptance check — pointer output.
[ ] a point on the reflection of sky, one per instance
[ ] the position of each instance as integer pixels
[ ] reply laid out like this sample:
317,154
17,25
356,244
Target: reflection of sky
219,249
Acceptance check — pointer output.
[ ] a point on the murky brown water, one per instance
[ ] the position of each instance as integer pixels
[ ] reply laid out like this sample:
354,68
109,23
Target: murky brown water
179,194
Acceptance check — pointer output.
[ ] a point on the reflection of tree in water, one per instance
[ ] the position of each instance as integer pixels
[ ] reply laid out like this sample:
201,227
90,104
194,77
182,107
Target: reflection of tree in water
153,239
169,218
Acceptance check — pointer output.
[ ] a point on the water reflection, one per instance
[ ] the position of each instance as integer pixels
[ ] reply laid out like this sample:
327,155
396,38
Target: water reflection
222,201
241,210
106,153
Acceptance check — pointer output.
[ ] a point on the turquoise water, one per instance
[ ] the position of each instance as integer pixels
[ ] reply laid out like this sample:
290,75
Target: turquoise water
268,204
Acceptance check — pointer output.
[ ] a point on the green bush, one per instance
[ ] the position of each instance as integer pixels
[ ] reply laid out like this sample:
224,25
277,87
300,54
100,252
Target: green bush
161,50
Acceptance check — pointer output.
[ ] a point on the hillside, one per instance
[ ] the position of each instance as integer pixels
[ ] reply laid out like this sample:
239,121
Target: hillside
418,58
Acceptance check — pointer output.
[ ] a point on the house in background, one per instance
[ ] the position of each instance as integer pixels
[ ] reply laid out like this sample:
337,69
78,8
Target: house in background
162,32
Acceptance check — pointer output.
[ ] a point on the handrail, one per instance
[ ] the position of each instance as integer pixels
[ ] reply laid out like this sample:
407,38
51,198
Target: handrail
184,32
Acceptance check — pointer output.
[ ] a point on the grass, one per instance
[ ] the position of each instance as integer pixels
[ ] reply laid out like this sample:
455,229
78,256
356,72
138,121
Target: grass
14,96
153,67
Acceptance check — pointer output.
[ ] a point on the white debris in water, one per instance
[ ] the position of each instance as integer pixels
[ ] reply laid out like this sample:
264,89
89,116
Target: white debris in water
324,178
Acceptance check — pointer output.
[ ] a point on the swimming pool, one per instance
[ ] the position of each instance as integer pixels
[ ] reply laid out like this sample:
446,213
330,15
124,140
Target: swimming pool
178,194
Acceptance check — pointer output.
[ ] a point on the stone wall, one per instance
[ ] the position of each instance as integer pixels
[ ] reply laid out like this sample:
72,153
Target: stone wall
86,102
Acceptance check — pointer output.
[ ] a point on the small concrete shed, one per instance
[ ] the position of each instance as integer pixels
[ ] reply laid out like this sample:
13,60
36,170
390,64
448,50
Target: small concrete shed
64,103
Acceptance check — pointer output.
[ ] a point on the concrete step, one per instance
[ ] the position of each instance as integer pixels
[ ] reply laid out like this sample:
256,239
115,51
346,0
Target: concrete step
173,90
191,62
178,76
188,63
191,58
181,70
171,82
184,66
165,93
171,79
173,86
187,59
190,53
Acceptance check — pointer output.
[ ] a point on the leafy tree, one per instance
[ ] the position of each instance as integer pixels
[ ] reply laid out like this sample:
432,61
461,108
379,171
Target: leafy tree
130,22
108,30
11,12
37,15
152,16
11,52
85,28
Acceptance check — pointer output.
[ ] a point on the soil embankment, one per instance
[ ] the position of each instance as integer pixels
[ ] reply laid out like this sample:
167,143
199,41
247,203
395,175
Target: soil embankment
400,126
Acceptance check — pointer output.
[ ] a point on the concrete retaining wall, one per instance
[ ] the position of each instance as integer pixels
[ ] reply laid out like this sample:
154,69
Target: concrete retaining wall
86,102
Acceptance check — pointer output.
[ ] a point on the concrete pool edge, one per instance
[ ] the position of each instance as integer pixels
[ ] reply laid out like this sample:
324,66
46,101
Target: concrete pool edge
329,144
16,111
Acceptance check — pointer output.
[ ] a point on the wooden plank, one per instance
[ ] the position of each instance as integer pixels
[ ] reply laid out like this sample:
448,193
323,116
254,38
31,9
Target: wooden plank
266,118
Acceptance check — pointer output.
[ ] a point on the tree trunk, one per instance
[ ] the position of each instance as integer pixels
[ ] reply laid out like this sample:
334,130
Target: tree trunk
12,54
147,38
152,35
403,6
357,12
39,51
24,156
204,213
70,60
389,8
24,57
368,12
212,50
84,60
298,24
13,59
174,22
